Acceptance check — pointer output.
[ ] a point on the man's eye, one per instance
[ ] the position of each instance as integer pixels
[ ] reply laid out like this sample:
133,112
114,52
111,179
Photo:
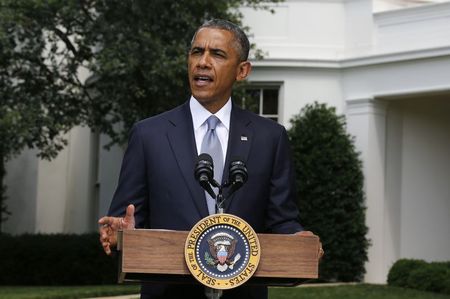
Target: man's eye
219,54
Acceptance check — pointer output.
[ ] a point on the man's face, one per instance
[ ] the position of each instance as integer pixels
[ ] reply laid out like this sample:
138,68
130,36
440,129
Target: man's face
213,66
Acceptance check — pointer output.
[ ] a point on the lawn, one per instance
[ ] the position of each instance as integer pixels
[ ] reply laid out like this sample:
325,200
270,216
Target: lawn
360,291
66,292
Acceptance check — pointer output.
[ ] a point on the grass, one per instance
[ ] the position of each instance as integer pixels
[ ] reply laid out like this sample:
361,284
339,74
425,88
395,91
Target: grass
68,292
360,291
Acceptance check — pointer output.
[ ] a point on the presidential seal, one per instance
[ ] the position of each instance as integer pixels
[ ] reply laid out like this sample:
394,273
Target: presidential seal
222,251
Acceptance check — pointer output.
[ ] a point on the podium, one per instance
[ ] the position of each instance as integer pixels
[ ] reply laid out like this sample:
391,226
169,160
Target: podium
148,255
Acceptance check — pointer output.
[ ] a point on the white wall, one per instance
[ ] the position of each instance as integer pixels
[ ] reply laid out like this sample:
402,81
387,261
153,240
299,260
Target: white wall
362,63
21,182
417,201
300,87
414,28
79,212
299,29
425,176
379,136
108,174
53,196
385,5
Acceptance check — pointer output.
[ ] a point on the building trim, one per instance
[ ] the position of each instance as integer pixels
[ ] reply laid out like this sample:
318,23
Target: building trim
361,61
412,14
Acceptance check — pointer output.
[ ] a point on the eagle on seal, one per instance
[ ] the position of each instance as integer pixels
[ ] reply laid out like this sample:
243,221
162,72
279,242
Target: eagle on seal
222,246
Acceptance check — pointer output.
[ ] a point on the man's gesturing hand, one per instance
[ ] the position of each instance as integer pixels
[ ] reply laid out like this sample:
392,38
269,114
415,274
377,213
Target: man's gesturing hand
109,226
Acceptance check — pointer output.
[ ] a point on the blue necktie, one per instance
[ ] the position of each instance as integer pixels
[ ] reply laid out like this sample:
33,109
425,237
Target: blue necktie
211,145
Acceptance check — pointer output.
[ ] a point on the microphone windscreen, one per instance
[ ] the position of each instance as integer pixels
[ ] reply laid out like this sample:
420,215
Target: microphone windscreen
205,157
238,171
237,159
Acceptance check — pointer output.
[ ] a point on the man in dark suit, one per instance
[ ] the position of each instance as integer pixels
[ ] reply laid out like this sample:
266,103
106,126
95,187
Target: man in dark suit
157,188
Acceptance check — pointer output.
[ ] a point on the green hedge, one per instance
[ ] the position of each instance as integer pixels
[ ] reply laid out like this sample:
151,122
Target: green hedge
420,275
57,259
330,190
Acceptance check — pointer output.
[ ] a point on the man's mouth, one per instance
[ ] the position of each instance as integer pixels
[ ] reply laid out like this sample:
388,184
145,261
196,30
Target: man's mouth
203,79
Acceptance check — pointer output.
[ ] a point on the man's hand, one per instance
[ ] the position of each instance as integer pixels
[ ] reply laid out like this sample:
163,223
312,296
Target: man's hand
109,226
309,233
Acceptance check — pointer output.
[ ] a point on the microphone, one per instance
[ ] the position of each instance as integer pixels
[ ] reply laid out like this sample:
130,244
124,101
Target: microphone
204,173
238,175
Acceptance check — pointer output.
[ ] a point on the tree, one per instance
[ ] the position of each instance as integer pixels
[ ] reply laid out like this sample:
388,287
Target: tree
330,190
133,50
41,96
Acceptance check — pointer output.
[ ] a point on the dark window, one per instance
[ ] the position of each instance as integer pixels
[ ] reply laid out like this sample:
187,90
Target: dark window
262,101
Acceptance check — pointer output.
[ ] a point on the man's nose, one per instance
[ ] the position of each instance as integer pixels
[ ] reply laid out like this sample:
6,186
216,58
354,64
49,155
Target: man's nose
205,60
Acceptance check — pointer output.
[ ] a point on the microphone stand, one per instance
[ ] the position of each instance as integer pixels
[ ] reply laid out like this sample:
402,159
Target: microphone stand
211,293
220,198
204,174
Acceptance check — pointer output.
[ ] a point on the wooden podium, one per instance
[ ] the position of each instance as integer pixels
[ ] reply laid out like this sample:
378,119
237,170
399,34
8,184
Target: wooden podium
158,256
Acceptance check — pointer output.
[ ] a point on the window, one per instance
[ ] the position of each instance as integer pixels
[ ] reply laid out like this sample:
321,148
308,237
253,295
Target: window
262,101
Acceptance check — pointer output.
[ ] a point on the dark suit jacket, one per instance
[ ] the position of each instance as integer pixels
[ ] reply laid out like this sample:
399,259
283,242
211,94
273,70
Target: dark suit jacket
157,176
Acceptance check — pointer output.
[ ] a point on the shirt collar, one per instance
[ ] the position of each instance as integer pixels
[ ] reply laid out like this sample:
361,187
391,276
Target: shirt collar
200,114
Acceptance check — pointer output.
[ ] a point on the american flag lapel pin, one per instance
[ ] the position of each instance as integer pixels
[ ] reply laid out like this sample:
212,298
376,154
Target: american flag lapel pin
244,138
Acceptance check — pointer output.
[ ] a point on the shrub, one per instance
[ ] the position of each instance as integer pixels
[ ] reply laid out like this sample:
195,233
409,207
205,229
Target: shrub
330,190
57,259
420,275
397,277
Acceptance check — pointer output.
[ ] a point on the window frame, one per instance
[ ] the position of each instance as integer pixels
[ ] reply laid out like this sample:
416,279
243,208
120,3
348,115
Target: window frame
261,86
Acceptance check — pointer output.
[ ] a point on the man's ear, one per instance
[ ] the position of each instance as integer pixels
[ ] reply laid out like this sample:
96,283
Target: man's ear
244,70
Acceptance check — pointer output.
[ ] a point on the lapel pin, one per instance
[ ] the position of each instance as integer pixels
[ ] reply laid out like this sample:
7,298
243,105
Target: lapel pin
244,138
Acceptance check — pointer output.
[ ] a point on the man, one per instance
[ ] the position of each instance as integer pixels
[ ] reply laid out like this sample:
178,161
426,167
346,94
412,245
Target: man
157,188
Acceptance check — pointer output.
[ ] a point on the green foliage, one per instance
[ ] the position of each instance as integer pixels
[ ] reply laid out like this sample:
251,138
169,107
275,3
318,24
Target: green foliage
55,260
133,53
41,97
330,190
40,94
398,274
420,275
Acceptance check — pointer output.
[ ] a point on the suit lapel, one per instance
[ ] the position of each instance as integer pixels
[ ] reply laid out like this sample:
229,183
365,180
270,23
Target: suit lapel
239,142
182,142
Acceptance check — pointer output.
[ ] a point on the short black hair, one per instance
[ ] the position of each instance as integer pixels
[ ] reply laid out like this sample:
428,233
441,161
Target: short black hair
241,40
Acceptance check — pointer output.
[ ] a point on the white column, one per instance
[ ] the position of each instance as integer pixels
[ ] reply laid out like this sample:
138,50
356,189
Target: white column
366,120
64,186
21,182
109,164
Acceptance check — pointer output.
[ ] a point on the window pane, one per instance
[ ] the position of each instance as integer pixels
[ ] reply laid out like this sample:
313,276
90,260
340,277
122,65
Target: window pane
270,101
251,100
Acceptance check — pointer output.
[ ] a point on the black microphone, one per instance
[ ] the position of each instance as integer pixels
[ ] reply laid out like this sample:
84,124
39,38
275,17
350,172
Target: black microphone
238,175
204,173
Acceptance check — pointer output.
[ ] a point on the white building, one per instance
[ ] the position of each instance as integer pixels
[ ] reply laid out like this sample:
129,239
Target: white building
384,64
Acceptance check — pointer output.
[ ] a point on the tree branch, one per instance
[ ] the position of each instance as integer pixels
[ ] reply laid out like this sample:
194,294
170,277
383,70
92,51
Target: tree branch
66,41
